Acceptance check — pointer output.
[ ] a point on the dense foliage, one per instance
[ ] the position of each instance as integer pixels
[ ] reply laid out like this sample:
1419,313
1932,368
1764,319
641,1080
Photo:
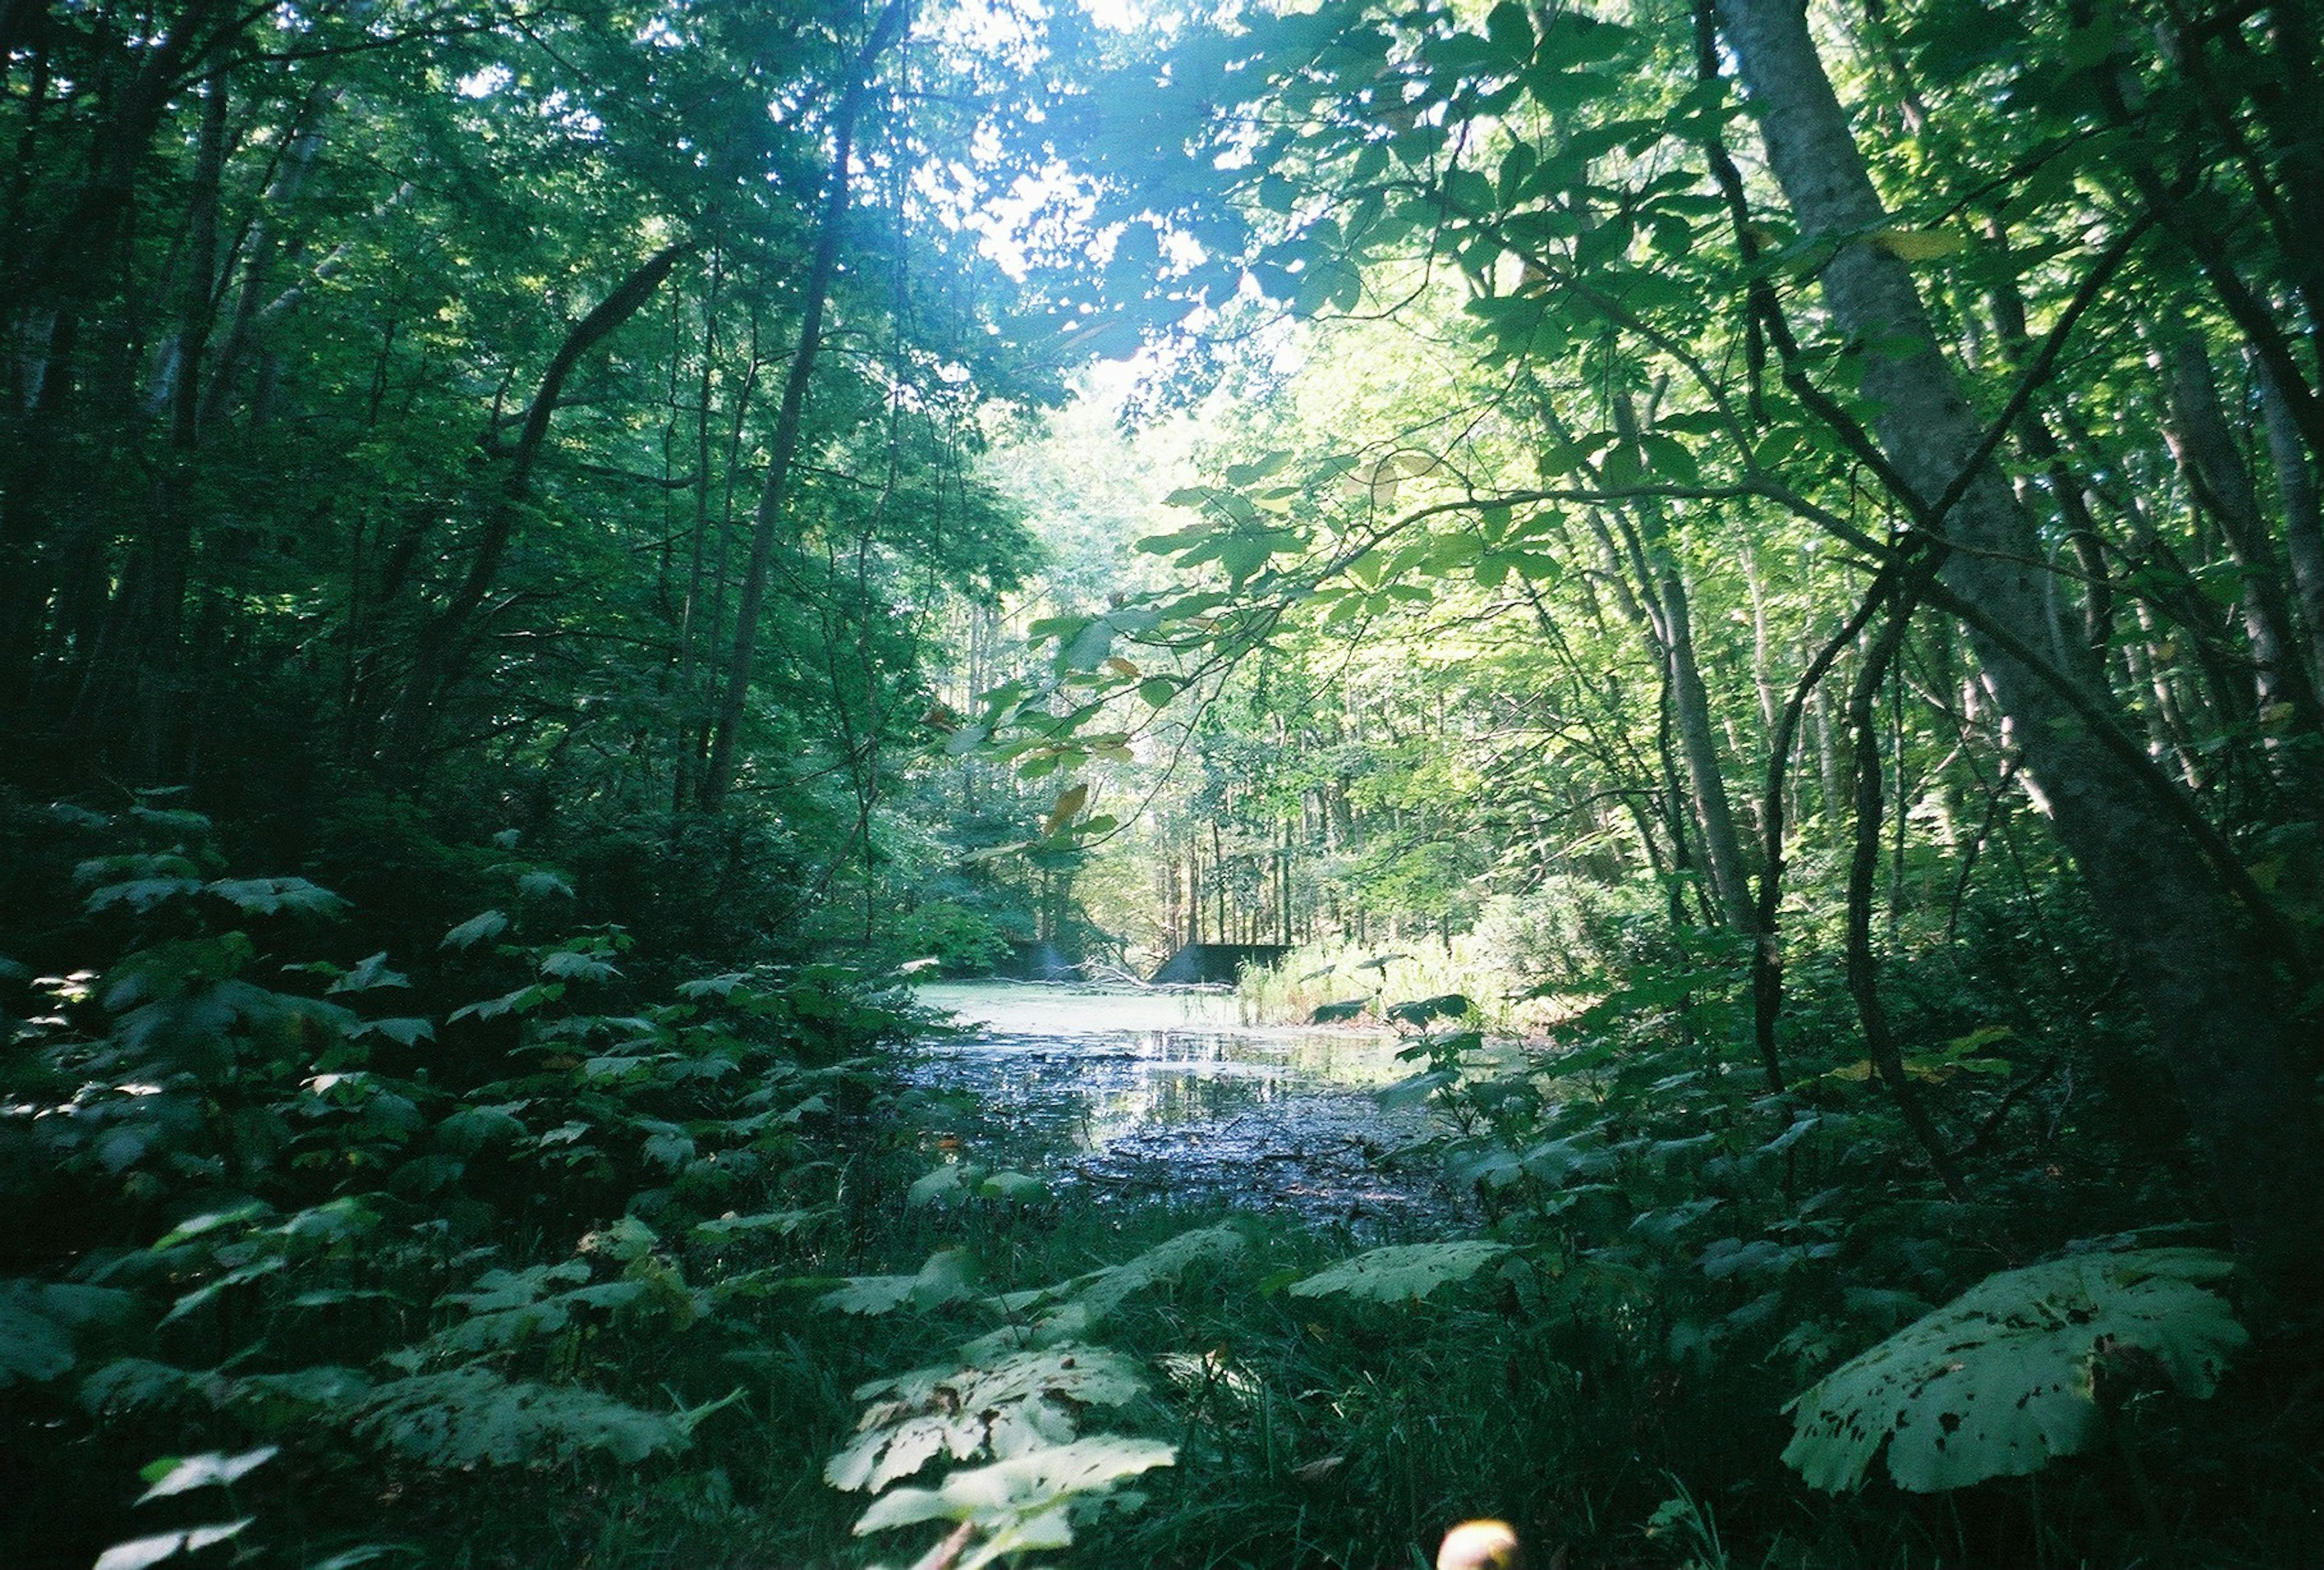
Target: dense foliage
1747,577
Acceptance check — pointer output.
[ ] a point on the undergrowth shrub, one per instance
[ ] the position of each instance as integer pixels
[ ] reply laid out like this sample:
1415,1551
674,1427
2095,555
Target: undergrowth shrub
493,1216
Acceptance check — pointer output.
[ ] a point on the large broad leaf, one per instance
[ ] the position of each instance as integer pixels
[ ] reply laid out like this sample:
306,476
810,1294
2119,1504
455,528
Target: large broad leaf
37,1321
153,1550
730,1226
1998,1381
214,1469
367,975
272,896
943,1278
1075,1308
1002,1409
474,930
950,1184
1404,1273
472,1415
1022,1503
1422,1011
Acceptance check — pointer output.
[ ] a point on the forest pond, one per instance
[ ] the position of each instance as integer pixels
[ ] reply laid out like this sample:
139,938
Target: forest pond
1150,1094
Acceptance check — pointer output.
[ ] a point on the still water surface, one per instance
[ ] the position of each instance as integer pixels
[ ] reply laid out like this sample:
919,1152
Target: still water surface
1169,1094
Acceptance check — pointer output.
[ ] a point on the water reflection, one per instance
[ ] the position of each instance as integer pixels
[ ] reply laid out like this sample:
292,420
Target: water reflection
1171,1094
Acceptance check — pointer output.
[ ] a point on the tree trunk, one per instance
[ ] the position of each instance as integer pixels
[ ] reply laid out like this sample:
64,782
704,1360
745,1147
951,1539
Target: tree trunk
2208,455
2303,525
437,647
718,775
2210,996
1664,614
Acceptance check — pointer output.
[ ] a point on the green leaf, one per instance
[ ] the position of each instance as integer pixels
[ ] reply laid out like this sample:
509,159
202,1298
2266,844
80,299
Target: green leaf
1006,1406
1088,647
523,1001
471,1129
153,1550
1019,1502
1016,1188
474,930
1079,1306
473,1417
1418,1088
1421,1011
730,1226
943,1278
1670,459
367,975
1918,244
403,1032
576,965
272,896
948,1184
140,894
37,1321
1406,1273
214,1468
1999,1382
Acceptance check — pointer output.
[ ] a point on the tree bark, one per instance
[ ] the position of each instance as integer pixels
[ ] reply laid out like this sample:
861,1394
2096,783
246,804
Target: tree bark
2303,523
2212,999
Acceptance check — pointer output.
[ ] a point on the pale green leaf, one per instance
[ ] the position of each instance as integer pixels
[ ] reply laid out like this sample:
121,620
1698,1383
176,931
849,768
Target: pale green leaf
474,930
214,1469
1405,1272
369,974
943,1278
145,1551
1023,1488
1016,1188
947,1185
1999,1382
1010,1405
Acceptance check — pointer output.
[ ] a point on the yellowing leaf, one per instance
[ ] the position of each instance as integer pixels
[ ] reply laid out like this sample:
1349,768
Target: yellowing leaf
1917,244
1070,802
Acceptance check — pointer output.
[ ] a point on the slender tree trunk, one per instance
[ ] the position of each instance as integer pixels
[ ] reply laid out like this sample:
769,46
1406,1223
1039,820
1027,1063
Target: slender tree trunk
2212,999
437,646
718,773
1664,614
1722,847
2304,525
689,634
131,690
2214,467
2041,445
261,249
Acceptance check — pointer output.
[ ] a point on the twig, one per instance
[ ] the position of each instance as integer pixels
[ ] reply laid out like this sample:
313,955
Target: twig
947,1553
